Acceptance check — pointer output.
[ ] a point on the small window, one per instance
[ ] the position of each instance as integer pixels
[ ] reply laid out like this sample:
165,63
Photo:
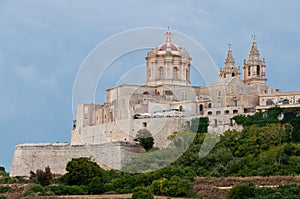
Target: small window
209,105
249,71
232,75
218,112
235,102
285,101
161,73
235,111
258,70
226,112
209,113
215,123
144,124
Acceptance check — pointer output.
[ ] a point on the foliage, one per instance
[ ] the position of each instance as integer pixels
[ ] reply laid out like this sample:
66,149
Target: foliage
264,147
199,125
241,191
67,190
83,171
246,191
37,189
2,197
42,177
142,193
5,189
173,187
145,139
290,116
3,172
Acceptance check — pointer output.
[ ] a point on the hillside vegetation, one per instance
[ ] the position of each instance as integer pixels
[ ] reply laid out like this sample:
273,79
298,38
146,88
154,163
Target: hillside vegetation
267,146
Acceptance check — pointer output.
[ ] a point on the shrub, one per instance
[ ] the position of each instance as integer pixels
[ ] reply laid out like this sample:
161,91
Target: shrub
142,193
145,139
5,189
37,189
67,190
241,191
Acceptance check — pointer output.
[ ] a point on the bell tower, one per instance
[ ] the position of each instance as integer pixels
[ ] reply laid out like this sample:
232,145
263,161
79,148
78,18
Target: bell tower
229,69
254,68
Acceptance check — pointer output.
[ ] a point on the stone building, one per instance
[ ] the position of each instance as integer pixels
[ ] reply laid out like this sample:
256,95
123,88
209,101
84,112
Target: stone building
165,104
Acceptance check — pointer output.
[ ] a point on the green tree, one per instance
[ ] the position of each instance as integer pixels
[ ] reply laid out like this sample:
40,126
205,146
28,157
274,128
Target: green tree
83,171
241,191
199,125
145,139
142,193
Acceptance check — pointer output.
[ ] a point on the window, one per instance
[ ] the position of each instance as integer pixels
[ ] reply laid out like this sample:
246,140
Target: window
232,75
175,71
201,107
232,122
258,70
235,103
285,101
209,105
187,77
144,124
226,112
184,95
235,111
219,104
209,113
180,108
161,73
249,71
216,123
269,102
218,112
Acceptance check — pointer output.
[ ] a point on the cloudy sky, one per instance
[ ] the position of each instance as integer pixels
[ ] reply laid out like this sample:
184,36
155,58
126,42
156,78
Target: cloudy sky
43,44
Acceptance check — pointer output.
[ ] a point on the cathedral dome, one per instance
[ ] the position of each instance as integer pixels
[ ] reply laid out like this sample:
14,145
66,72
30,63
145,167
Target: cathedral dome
168,47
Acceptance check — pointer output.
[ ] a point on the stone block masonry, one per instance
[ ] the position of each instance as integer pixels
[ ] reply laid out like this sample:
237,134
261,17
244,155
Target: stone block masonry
30,157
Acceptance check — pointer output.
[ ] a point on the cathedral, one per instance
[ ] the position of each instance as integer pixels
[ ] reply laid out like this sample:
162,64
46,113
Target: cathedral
165,104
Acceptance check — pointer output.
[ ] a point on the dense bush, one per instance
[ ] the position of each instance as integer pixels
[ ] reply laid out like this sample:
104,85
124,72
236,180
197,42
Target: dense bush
145,139
83,171
174,187
246,191
37,189
142,193
5,189
67,190
241,191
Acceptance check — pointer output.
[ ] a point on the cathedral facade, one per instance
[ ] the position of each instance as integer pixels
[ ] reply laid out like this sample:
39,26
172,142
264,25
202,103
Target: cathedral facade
165,104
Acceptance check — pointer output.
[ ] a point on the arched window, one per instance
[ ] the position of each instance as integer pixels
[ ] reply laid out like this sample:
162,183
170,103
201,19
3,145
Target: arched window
233,74
209,105
285,101
180,108
175,71
161,72
201,107
269,102
258,70
249,70
187,76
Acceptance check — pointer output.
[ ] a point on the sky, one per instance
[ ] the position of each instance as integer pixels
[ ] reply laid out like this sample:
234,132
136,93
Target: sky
44,43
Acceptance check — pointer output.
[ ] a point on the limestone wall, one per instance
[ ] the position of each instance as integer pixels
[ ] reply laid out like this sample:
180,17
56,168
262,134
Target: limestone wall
30,157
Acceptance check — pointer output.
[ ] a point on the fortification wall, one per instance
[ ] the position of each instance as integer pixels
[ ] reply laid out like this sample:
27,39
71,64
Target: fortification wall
126,130
30,157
